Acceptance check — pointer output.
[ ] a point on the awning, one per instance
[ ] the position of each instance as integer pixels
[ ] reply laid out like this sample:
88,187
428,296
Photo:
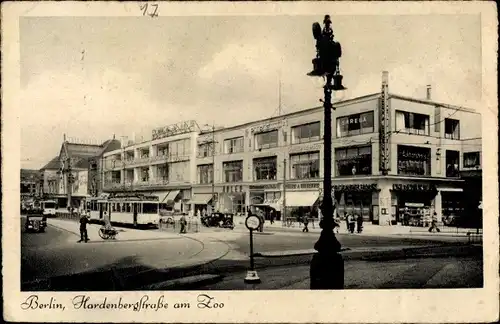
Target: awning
170,198
301,198
445,189
274,203
161,195
200,199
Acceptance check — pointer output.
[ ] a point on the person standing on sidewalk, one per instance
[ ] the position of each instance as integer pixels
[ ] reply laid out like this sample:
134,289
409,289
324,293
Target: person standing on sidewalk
305,220
183,224
359,221
434,224
352,223
83,229
271,216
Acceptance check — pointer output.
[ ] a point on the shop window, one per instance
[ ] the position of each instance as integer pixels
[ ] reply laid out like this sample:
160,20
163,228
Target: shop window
472,160
205,173
412,123
266,140
305,166
452,161
265,168
306,133
234,145
233,171
451,129
351,161
355,124
414,160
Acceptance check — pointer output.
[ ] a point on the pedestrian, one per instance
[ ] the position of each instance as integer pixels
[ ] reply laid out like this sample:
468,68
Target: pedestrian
359,220
83,229
352,223
434,223
346,216
107,221
183,223
306,223
271,216
336,223
262,220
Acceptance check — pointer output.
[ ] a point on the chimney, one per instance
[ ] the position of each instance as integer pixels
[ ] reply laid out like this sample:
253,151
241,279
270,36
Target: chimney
64,137
429,92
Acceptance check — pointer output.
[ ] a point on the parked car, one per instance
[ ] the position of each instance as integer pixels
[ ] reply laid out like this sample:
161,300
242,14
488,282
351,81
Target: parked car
35,223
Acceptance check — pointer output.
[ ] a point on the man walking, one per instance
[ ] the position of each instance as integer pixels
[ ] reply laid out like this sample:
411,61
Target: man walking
83,228
434,224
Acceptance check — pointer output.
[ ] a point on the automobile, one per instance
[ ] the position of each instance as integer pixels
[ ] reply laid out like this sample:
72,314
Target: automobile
35,223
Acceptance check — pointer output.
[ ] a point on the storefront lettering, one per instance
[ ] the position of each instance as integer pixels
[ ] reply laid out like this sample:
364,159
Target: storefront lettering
302,185
413,187
355,187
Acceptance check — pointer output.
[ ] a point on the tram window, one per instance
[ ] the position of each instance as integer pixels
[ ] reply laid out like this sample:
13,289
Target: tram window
150,208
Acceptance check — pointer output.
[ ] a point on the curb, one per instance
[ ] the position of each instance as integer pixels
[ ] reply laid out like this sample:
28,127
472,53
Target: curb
185,282
392,254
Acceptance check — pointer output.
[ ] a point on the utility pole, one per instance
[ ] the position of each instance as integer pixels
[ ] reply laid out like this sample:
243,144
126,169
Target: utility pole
327,266
213,166
69,182
283,214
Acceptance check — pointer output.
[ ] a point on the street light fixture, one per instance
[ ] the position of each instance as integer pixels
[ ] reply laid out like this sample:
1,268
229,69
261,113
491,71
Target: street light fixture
327,266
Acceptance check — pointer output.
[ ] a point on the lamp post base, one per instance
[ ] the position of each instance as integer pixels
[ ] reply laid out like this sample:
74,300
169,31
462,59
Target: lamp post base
252,277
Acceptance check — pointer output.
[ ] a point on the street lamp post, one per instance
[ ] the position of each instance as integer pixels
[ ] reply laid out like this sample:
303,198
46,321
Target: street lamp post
212,147
327,266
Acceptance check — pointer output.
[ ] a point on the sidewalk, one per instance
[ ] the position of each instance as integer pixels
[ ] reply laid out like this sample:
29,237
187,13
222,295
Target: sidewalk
369,229
125,234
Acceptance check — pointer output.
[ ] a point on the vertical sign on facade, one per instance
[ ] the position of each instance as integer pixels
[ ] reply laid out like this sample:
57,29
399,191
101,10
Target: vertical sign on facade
384,128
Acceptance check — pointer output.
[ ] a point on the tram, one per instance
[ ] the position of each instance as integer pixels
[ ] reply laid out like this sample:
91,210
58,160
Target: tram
136,210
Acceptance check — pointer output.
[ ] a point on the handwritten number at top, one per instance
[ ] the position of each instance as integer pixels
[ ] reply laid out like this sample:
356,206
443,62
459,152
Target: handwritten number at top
149,9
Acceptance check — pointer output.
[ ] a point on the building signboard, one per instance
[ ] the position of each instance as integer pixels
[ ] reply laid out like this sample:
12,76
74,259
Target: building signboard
305,148
174,129
419,187
355,187
267,127
303,186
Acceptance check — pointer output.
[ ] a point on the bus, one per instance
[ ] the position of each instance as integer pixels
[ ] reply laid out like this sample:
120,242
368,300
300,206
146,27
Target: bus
48,207
136,210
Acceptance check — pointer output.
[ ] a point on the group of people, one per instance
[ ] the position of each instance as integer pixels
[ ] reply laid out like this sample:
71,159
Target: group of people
351,222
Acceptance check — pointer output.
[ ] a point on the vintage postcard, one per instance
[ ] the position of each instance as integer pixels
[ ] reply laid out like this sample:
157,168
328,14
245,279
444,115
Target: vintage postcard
250,162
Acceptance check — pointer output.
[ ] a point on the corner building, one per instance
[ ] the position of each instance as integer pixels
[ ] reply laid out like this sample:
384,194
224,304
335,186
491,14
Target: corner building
390,155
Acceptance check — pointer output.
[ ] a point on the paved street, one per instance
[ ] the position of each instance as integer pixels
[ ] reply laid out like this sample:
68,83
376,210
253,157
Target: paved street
400,274
56,253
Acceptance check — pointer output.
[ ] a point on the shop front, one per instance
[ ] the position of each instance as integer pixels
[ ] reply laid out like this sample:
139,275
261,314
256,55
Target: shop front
231,199
355,199
266,198
302,199
413,203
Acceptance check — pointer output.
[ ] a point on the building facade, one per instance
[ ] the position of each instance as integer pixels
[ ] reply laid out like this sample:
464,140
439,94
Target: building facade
392,156
163,166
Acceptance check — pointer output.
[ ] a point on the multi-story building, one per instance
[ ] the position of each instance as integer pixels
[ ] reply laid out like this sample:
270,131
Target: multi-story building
164,166
391,155
49,178
30,184
81,163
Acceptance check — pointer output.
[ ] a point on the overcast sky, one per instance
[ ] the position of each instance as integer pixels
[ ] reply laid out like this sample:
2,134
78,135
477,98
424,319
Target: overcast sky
94,77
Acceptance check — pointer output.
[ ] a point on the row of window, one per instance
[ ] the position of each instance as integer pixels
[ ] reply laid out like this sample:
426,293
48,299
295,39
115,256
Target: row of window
355,124
356,160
